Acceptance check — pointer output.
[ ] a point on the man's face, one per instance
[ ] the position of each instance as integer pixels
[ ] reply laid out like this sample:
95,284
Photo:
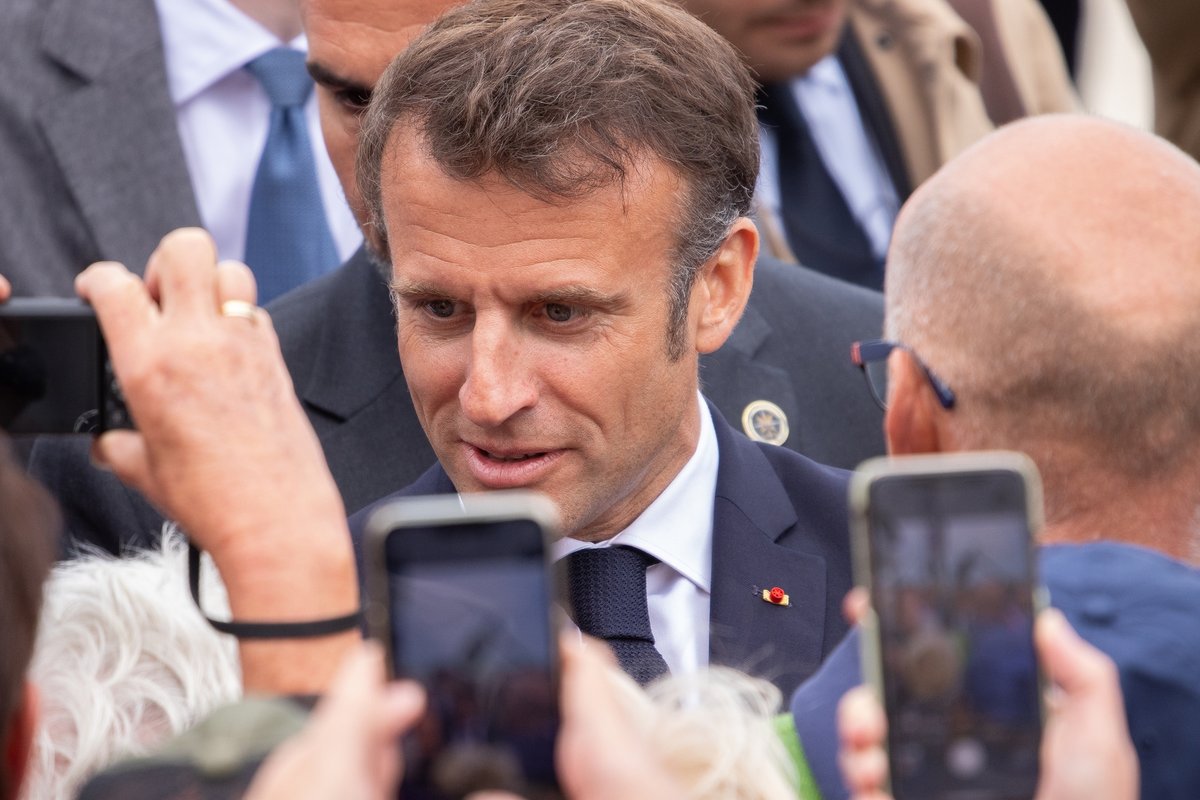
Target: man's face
534,336
350,44
780,39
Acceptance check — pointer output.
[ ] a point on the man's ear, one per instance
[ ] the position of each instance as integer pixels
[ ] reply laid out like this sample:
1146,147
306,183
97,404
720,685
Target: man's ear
723,286
911,422
19,746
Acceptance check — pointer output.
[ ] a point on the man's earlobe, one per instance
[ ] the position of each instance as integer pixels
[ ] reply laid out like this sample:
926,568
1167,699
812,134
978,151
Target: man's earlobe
727,280
910,424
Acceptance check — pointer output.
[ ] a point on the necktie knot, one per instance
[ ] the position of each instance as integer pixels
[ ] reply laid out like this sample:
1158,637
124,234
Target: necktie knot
283,76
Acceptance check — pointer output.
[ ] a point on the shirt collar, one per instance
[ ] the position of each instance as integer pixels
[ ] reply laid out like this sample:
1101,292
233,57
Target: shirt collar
827,74
677,527
206,40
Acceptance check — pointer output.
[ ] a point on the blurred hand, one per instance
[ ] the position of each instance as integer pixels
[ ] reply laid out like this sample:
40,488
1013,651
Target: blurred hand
5,289
348,748
224,448
1086,750
601,753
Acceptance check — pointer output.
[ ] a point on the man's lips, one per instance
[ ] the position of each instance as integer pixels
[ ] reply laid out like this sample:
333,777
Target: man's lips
806,24
507,467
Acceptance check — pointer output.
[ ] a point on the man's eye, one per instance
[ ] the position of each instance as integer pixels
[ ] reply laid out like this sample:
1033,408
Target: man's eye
353,99
443,309
558,312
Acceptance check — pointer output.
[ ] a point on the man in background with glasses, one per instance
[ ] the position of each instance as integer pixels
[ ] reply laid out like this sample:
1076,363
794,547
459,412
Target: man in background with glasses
1041,296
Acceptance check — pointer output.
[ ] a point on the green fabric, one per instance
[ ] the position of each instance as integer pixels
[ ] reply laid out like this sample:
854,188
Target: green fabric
806,787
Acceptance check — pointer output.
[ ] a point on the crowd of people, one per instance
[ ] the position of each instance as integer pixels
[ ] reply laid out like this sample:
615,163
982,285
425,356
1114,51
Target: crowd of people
616,252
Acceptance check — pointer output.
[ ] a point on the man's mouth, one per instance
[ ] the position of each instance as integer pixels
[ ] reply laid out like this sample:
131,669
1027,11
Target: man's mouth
509,468
511,456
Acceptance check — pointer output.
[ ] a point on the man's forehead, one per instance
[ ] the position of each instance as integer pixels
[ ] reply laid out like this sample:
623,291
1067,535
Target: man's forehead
366,34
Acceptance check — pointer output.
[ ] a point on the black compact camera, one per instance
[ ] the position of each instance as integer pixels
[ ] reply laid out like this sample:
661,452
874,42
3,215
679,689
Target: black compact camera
55,376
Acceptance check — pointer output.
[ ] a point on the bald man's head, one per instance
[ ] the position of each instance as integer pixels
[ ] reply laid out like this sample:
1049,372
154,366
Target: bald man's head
1051,276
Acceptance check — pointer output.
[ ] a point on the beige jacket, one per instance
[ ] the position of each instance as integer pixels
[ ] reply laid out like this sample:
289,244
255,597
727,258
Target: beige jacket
1170,29
943,88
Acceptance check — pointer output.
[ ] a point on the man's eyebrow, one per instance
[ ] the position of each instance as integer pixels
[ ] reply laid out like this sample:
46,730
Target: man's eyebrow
331,80
581,296
415,289
567,295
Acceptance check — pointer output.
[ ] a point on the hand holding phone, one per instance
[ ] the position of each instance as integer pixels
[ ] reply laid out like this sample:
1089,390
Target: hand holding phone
460,593
945,545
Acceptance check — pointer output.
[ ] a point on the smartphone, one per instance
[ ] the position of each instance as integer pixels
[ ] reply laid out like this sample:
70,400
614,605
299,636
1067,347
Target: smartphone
54,371
945,546
460,592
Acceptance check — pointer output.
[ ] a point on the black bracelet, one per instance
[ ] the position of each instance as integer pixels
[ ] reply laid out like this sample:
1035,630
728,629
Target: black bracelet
268,630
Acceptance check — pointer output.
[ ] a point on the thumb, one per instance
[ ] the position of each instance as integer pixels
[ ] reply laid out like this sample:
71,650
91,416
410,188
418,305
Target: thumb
1072,664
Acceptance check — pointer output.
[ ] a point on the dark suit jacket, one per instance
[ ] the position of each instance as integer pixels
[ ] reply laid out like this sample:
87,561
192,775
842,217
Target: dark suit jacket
791,347
1136,605
93,166
779,519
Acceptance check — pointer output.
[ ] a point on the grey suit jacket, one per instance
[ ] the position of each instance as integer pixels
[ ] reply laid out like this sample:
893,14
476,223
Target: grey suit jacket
92,164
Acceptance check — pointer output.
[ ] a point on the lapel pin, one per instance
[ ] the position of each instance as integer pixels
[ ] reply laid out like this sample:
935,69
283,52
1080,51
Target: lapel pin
776,596
763,421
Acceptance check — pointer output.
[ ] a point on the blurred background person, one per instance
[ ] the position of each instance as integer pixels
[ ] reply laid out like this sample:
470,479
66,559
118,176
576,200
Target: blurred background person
862,100
122,120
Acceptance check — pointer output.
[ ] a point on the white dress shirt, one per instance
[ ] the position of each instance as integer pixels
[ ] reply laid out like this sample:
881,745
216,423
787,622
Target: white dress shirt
223,114
677,530
827,101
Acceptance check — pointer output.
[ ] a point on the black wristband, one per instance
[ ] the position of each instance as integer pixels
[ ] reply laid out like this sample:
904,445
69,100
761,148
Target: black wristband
268,630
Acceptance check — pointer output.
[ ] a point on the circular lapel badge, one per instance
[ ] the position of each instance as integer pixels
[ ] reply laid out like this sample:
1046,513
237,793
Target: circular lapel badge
763,421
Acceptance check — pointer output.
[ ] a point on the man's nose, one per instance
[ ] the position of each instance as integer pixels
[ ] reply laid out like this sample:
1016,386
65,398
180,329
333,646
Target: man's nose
498,383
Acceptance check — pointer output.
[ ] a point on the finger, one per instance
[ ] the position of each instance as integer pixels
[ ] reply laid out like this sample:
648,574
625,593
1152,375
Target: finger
124,453
864,771
1070,662
183,271
235,281
123,307
856,605
5,289
861,721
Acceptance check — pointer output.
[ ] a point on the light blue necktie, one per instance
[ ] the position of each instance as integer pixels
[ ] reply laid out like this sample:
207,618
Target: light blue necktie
287,237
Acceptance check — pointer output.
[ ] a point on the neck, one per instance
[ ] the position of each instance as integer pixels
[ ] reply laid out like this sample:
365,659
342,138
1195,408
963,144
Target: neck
1147,519
280,17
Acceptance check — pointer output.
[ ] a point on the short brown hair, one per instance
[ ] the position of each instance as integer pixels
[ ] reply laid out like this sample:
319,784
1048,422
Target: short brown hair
562,97
29,530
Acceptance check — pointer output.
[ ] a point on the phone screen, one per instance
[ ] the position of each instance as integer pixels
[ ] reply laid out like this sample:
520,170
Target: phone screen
470,614
952,586
51,368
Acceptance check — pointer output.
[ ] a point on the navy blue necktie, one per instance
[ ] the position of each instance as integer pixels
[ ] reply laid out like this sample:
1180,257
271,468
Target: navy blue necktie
607,586
820,227
287,237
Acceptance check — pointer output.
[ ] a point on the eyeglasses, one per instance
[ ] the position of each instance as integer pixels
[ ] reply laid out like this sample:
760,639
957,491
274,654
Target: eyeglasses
872,357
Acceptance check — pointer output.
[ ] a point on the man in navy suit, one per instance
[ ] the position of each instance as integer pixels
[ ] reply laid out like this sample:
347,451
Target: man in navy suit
1047,277
337,333
567,237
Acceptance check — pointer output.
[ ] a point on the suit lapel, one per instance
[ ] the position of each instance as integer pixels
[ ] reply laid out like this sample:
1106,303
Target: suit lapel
356,357
115,136
752,511
739,378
